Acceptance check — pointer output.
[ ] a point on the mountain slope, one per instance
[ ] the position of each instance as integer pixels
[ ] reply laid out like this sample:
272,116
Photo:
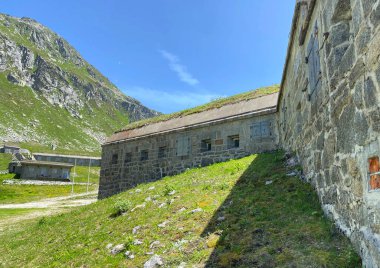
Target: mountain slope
223,215
49,94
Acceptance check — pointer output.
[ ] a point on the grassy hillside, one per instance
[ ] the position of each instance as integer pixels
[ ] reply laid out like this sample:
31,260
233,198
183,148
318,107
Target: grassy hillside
5,159
208,106
22,109
219,216
50,95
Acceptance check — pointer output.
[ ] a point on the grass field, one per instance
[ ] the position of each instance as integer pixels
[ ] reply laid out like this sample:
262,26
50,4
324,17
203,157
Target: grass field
4,161
222,215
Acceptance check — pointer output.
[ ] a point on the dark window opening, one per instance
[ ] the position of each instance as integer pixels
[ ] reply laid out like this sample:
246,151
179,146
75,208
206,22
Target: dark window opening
128,157
374,173
114,159
144,155
233,141
162,152
205,145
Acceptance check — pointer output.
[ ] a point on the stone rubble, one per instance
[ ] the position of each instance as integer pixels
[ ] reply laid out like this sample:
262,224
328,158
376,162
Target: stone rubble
154,262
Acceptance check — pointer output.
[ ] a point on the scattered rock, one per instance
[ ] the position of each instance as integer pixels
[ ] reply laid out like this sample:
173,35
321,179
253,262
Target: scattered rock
109,246
154,244
151,188
182,265
117,249
221,218
137,242
149,253
139,206
172,192
129,255
268,182
181,210
148,199
171,201
153,262
196,210
162,225
180,243
292,161
135,229
138,191
161,205
292,174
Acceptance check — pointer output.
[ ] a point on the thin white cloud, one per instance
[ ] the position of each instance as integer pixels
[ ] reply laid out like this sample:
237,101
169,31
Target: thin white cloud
178,68
168,102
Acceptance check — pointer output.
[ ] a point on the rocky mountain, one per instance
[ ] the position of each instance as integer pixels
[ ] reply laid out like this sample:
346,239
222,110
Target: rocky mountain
50,95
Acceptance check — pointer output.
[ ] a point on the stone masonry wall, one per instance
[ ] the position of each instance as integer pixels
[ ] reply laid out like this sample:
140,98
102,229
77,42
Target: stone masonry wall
336,129
124,165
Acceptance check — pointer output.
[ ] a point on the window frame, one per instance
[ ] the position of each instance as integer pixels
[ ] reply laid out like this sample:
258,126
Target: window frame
231,141
144,155
206,145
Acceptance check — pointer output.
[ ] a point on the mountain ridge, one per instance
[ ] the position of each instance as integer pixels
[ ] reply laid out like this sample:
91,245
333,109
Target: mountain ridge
38,66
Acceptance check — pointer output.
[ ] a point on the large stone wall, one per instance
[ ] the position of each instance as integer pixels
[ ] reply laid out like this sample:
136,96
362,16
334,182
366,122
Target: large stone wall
336,129
124,163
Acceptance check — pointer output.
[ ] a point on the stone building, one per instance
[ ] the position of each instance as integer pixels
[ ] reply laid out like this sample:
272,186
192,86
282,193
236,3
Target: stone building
166,148
71,159
329,112
41,170
9,149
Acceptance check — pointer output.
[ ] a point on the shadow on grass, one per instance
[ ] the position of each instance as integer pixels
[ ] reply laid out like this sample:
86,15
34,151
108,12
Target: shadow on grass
272,220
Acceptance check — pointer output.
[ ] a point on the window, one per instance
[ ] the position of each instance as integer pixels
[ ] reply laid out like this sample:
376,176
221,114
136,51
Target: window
206,145
144,155
261,130
183,146
233,141
313,62
374,173
128,157
114,159
162,152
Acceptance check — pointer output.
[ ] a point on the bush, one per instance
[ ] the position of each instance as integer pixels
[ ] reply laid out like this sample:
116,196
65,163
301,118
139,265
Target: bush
168,189
120,207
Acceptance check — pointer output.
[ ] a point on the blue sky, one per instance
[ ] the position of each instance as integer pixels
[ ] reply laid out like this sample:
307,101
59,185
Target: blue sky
172,54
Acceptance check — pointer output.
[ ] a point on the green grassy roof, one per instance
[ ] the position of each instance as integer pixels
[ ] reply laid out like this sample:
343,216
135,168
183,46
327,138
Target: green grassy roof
253,94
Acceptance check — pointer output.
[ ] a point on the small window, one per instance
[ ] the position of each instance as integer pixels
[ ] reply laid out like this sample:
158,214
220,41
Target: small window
261,130
233,141
128,157
114,159
183,146
206,145
162,152
144,155
374,173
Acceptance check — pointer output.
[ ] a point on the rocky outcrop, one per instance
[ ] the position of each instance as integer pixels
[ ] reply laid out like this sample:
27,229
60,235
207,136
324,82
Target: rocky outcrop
31,55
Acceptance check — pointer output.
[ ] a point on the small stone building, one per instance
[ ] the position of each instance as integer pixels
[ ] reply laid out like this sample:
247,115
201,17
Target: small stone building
9,149
329,112
71,159
166,148
41,170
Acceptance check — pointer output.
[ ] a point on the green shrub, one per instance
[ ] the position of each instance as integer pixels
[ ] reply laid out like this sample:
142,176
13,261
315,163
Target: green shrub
121,206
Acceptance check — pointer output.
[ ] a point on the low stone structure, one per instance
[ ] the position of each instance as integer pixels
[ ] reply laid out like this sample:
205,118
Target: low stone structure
41,170
329,112
166,148
72,159
9,149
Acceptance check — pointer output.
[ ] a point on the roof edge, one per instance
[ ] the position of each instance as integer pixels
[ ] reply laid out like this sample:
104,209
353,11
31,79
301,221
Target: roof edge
264,111
291,41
